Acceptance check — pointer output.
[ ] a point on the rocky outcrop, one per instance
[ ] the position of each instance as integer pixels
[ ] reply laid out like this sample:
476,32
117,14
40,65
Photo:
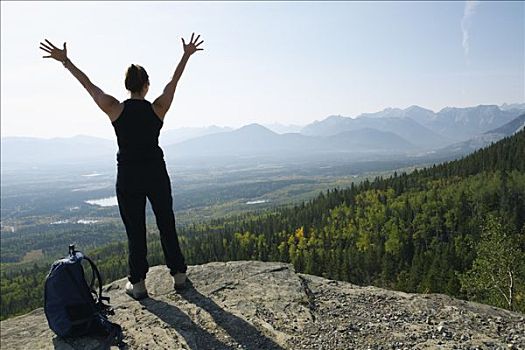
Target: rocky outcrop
257,305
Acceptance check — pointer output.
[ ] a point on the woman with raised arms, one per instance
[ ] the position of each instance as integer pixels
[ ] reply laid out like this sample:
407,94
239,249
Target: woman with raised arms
140,161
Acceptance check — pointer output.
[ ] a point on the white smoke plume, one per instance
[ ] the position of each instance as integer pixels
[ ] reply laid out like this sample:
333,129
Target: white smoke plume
470,9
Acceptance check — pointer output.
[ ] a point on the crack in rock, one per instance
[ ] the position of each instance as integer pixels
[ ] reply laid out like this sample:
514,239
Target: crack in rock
310,295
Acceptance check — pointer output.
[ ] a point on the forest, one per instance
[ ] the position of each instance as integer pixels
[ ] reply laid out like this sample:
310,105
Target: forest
456,228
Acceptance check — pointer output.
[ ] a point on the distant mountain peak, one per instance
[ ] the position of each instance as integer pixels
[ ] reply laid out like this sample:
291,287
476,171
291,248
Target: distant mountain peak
478,107
335,117
510,106
255,126
391,109
252,125
418,108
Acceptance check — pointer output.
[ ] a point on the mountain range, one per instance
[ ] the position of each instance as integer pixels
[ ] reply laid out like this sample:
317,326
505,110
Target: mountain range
422,126
414,130
255,139
406,128
486,138
393,130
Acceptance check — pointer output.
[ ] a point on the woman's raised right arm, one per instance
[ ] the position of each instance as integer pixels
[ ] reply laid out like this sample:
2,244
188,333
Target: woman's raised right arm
107,103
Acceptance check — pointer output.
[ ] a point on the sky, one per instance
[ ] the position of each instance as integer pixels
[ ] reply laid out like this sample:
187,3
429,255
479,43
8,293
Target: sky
264,62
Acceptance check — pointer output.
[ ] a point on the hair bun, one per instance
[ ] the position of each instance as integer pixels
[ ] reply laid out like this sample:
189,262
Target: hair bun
136,78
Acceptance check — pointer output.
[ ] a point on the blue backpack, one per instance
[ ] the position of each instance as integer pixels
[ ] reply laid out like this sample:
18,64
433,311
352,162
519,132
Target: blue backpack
72,307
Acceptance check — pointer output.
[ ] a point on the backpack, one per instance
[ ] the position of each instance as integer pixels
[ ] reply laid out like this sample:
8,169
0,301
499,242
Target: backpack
72,307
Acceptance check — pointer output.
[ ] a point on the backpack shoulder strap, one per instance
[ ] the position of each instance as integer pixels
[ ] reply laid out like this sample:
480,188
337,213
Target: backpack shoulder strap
104,308
97,274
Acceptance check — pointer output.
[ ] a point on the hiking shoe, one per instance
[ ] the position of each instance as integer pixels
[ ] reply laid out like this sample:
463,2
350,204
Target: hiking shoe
138,290
179,280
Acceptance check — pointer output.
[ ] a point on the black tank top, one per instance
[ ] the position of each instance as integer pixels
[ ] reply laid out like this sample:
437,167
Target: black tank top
137,129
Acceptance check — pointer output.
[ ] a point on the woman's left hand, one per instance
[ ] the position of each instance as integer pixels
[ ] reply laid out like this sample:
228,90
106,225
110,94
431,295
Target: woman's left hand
53,51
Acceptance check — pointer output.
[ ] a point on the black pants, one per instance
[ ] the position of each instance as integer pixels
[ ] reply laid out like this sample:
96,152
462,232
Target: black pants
135,183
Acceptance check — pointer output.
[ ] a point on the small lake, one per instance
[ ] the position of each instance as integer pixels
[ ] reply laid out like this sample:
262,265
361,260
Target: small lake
92,174
104,202
260,201
81,221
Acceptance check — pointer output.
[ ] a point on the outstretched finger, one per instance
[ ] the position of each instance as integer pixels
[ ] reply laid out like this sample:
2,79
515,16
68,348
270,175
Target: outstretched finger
199,49
183,42
197,45
65,46
196,39
47,56
53,46
46,46
45,49
191,40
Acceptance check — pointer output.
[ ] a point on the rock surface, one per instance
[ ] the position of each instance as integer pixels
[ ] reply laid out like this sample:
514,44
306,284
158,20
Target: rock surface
258,305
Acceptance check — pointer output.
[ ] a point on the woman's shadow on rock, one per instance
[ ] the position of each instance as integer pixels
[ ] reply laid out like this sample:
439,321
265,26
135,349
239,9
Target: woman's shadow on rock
242,332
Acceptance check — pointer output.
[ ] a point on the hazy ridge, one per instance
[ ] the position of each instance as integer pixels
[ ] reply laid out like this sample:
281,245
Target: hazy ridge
411,131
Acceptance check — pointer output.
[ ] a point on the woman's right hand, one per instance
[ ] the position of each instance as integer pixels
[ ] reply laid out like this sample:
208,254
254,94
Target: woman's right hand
192,47
53,51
